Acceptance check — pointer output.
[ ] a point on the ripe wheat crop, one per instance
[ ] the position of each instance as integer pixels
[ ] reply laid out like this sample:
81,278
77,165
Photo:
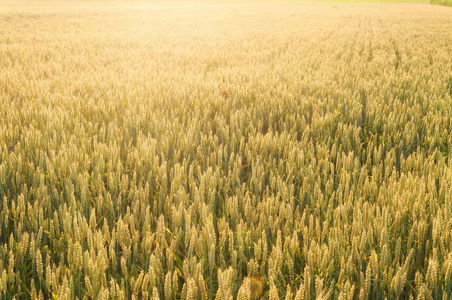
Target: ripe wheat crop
224,150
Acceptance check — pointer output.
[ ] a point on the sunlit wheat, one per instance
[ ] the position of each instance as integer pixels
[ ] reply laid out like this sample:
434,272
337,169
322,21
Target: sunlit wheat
225,150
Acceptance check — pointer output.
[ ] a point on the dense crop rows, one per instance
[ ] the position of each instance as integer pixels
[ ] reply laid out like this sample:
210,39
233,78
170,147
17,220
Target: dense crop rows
207,151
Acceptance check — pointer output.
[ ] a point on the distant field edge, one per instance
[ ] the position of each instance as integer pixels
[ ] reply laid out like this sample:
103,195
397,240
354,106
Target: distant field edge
442,2
368,1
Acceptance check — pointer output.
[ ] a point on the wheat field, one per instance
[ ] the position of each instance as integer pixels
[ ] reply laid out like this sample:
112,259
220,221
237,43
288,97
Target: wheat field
225,150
